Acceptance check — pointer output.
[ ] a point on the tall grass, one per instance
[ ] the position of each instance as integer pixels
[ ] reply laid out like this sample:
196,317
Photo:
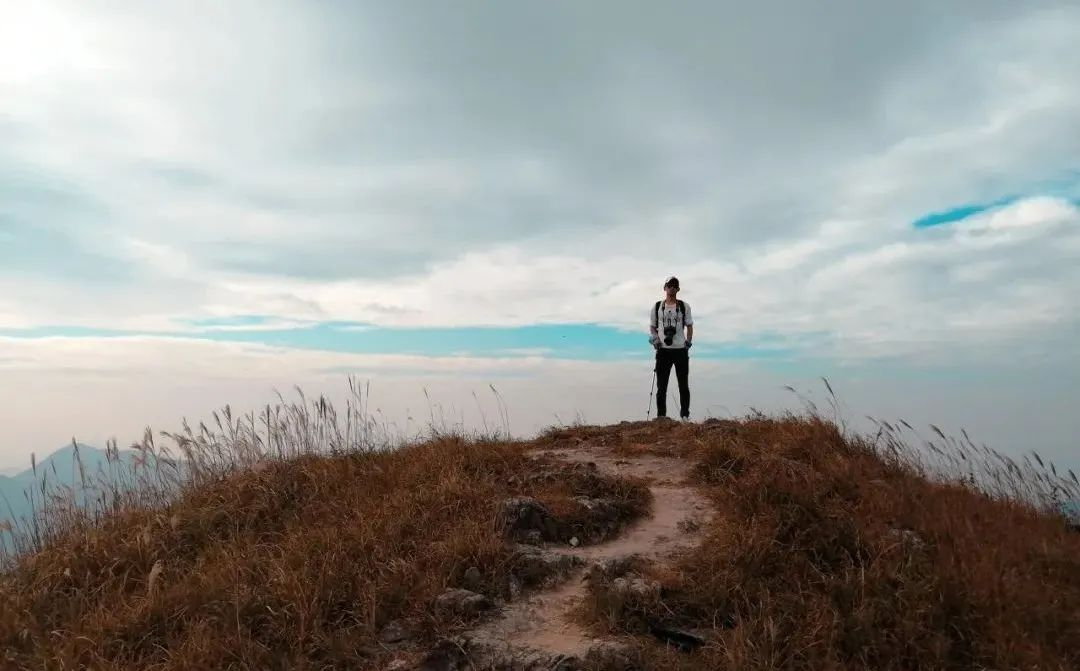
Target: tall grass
833,551
161,466
295,537
948,459
296,533
945,458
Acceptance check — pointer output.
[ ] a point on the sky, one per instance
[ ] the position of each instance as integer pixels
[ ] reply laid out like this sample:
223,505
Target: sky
203,203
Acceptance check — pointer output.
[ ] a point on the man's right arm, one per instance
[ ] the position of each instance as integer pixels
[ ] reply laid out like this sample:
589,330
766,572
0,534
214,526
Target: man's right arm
654,336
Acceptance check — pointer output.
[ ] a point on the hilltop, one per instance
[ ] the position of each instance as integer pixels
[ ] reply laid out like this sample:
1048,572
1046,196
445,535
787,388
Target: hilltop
764,542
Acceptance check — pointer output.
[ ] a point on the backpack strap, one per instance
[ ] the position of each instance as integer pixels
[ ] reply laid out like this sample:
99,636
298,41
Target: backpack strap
679,306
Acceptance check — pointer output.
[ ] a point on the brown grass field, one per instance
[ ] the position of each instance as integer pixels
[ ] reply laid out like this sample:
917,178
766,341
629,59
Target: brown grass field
291,539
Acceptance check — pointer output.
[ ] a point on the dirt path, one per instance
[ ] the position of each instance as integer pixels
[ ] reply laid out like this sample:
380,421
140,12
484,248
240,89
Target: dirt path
541,622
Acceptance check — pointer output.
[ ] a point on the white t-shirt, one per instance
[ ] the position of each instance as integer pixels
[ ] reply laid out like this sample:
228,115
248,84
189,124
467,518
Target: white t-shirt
669,316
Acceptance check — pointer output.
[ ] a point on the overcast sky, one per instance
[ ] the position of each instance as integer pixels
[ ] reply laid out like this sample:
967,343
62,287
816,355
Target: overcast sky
202,201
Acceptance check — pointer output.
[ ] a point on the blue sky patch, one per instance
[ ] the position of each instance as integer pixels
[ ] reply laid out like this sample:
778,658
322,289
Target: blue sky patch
588,342
960,213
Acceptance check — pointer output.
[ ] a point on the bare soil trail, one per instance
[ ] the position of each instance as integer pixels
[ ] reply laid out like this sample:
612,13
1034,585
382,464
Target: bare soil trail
540,622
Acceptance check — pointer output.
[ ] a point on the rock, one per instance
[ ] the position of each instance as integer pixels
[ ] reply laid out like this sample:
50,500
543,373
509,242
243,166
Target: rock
533,537
629,601
689,525
446,656
541,475
604,516
599,508
636,588
574,542
551,529
521,515
536,566
613,656
394,632
514,587
683,639
473,579
462,602
615,567
561,663
475,653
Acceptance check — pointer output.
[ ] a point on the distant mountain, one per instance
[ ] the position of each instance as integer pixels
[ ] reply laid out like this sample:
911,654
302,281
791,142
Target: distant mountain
14,501
63,460
57,470
1071,511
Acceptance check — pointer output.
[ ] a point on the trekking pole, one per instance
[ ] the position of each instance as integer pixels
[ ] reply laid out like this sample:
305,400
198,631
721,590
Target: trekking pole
649,412
656,363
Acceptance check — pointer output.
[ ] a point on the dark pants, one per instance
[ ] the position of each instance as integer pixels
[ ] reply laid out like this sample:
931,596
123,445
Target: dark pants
665,359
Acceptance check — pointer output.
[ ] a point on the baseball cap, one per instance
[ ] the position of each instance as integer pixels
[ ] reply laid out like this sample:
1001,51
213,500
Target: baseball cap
672,282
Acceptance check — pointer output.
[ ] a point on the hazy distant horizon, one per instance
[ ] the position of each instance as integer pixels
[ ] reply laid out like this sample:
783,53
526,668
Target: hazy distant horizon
200,204
535,400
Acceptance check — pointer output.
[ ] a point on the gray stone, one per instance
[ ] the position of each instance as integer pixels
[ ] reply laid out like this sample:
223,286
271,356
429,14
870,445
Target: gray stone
615,567
521,515
614,656
682,639
483,654
473,578
603,513
514,587
462,602
394,632
538,566
637,588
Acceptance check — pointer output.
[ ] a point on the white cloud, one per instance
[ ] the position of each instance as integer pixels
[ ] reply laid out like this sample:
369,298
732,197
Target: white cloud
147,355
869,292
1025,220
353,161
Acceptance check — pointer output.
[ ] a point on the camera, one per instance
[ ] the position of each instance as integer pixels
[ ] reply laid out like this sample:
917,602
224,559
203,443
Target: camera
669,333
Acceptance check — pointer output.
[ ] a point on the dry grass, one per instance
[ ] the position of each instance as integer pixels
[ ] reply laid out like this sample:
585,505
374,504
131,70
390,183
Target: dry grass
832,552
291,539
269,556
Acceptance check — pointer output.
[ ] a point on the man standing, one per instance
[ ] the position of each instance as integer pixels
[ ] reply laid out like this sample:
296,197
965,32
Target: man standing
672,329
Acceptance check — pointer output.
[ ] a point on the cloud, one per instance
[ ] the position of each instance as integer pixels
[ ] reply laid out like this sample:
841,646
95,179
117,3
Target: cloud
201,358
963,292
410,165
276,142
991,278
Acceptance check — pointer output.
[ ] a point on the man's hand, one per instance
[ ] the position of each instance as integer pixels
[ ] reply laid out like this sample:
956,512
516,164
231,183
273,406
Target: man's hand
689,344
